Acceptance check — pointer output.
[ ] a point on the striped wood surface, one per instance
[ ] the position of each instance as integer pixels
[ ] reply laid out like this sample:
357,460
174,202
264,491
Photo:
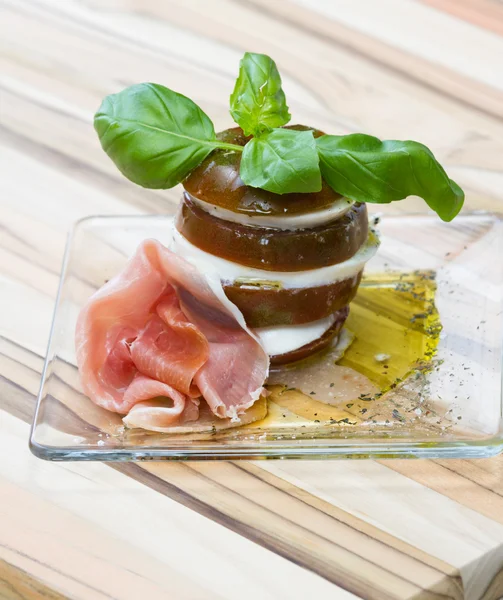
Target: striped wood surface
426,69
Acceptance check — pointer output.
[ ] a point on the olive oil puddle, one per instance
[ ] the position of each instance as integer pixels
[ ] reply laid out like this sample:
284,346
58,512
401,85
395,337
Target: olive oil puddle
379,379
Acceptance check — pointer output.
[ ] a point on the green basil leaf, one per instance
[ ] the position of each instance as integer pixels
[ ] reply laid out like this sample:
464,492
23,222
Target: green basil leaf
365,169
154,135
258,101
282,161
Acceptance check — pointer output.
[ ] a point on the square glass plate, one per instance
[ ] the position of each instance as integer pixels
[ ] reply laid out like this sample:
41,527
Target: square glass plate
453,409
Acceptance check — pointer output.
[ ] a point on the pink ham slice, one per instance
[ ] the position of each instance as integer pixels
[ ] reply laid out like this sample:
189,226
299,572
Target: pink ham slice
170,348
162,329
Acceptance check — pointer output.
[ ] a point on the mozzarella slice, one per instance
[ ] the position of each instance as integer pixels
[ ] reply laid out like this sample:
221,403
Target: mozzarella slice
230,272
288,222
281,339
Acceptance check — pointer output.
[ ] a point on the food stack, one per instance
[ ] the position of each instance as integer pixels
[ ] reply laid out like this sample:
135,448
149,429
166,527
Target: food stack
291,263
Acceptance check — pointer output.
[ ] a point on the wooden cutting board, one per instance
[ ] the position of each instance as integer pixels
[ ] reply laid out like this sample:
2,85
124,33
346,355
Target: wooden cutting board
427,70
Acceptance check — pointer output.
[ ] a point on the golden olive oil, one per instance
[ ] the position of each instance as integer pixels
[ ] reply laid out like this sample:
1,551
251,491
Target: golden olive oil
396,326
396,331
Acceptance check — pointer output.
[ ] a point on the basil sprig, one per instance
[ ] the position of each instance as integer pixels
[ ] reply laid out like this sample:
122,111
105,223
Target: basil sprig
156,137
282,161
364,169
278,160
258,102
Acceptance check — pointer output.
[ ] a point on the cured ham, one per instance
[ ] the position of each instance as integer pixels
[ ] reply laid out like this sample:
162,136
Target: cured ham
153,415
162,330
170,348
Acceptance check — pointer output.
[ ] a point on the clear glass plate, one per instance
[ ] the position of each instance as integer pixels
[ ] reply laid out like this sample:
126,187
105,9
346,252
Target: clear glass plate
462,394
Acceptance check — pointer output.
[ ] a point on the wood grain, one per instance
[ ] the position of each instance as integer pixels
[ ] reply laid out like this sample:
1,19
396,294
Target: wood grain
16,584
483,13
427,70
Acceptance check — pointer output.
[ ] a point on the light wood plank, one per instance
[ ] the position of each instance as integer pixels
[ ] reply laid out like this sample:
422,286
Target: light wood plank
126,527
483,13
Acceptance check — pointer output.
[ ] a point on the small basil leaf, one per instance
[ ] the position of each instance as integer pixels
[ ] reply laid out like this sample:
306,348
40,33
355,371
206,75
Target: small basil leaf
365,169
282,161
154,135
258,101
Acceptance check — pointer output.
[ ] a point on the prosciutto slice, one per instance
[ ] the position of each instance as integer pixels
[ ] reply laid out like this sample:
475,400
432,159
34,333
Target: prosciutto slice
151,415
162,329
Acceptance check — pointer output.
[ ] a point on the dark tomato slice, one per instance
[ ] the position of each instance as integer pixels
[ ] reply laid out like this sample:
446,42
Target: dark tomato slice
267,306
216,181
275,249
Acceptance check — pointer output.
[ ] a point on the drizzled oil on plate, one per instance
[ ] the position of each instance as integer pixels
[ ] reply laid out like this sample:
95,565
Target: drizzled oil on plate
417,370
386,349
